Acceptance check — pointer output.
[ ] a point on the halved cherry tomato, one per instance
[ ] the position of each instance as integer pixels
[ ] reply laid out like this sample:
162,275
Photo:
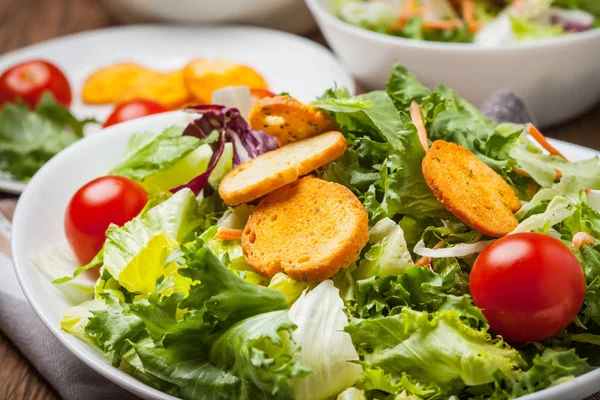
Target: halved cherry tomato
30,79
530,286
258,94
97,204
134,109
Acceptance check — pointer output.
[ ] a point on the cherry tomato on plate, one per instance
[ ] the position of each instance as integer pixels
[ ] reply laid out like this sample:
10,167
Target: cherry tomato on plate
133,109
258,94
530,286
97,204
29,80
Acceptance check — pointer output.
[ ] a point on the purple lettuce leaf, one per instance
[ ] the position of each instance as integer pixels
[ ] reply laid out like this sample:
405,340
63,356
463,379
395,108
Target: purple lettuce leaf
571,20
232,127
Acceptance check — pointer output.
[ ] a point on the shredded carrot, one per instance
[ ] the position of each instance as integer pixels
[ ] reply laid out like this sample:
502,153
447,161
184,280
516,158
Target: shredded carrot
537,135
441,25
524,173
423,261
229,234
532,188
582,239
521,172
559,174
517,4
406,13
417,118
468,14
474,26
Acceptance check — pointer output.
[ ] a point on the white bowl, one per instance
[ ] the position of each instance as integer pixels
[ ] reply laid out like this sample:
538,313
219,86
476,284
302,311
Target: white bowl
38,223
287,15
558,78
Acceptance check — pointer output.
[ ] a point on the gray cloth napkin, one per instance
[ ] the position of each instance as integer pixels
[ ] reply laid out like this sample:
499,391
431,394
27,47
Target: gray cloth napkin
69,376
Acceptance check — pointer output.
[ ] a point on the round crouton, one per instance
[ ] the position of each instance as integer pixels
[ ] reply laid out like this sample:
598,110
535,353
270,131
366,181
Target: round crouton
288,119
277,168
308,229
471,190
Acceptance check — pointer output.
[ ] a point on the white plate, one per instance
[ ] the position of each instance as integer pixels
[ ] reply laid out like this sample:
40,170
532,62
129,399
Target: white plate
289,63
38,223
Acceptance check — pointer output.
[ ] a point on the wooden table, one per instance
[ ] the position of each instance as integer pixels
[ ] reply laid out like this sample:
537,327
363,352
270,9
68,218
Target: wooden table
23,22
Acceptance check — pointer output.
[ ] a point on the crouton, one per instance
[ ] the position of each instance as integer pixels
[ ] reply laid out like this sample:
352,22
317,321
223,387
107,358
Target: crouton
202,77
167,89
308,229
277,168
470,189
289,120
106,85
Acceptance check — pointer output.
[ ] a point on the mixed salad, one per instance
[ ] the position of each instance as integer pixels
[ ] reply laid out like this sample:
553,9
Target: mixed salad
485,22
430,307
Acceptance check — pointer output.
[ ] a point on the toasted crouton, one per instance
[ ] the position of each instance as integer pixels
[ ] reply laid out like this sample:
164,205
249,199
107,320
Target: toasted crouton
277,168
108,84
167,89
288,119
308,229
470,189
203,77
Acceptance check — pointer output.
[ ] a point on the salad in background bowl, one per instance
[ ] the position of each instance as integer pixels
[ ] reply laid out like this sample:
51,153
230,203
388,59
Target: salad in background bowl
483,22
558,78
321,250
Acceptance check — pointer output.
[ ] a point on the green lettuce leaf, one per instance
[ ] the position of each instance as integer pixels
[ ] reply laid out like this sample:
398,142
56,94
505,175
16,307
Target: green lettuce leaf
449,117
589,257
564,203
419,289
290,288
550,368
58,262
220,338
28,139
326,348
228,251
112,327
146,267
543,167
257,350
437,348
526,29
388,254
160,162
77,317
176,216
375,380
351,394
189,371
221,293
383,165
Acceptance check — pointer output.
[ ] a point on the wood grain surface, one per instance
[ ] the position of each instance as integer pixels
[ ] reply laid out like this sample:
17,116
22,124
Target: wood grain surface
24,22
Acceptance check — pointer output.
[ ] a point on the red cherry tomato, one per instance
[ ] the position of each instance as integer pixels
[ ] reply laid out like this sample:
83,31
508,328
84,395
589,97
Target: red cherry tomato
97,204
258,94
529,286
30,79
134,109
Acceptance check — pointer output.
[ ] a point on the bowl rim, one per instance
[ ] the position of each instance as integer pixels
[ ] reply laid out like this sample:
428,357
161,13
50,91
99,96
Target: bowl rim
320,12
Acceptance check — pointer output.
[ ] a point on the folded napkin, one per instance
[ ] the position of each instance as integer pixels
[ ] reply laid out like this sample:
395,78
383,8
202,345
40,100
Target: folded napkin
69,376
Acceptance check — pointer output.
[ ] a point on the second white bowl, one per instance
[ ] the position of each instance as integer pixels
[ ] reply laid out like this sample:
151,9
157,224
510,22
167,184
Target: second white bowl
557,78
